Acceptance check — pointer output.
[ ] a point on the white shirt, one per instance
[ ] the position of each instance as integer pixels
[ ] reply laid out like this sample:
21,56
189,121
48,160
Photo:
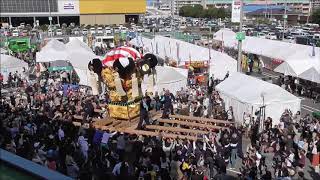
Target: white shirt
106,136
60,134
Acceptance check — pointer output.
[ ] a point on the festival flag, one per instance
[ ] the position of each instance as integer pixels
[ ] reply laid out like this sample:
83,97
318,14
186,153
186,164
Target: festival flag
141,41
152,47
313,50
178,52
137,39
209,54
170,47
157,50
222,44
165,52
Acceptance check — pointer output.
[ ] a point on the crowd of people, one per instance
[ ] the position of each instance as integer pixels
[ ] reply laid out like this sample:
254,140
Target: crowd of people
37,125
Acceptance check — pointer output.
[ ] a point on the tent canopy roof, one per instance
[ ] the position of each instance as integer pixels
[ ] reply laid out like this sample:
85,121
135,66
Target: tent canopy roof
270,48
8,61
250,90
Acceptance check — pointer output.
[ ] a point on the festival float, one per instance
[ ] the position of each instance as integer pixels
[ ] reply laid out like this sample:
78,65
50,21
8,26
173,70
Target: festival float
122,71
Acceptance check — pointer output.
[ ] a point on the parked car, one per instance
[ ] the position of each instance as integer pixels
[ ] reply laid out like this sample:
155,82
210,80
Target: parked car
272,36
116,30
76,32
100,30
59,32
108,30
92,30
140,29
84,31
261,35
50,32
15,33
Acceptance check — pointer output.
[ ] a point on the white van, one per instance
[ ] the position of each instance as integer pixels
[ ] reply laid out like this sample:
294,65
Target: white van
59,32
100,30
108,30
92,30
104,41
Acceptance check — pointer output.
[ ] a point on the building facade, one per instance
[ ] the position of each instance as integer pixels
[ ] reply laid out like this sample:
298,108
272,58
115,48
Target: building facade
65,11
302,6
177,4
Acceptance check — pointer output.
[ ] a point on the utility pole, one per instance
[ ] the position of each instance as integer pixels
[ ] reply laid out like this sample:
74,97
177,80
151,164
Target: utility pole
284,19
240,41
172,16
50,17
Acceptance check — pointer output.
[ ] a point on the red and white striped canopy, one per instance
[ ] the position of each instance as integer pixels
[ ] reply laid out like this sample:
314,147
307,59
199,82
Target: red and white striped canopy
119,52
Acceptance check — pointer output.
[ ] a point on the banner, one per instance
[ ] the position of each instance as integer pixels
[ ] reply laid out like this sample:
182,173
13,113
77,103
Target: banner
236,11
178,52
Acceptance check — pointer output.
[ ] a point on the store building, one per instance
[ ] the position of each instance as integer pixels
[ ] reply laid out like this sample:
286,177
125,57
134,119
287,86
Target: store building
40,12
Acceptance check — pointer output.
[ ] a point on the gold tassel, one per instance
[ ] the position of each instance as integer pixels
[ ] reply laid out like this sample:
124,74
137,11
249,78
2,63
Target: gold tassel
118,84
135,86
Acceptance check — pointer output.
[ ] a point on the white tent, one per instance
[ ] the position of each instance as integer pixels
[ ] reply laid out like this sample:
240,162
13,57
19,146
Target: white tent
293,68
183,52
76,44
54,50
311,74
265,47
221,65
76,52
245,94
168,78
11,64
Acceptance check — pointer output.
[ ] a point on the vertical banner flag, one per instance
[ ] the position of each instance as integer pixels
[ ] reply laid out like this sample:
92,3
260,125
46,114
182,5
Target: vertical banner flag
141,41
157,50
152,47
178,52
222,44
137,39
236,11
170,48
313,50
165,51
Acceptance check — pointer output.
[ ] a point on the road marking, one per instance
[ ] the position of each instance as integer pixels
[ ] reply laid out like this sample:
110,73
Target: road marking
234,171
307,109
311,107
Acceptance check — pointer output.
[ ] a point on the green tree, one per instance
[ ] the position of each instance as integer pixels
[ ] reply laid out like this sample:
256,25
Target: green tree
191,11
316,16
221,13
186,11
212,13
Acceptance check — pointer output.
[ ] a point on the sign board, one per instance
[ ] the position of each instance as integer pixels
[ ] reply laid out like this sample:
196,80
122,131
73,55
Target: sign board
69,5
236,11
64,68
197,64
285,16
50,18
240,36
